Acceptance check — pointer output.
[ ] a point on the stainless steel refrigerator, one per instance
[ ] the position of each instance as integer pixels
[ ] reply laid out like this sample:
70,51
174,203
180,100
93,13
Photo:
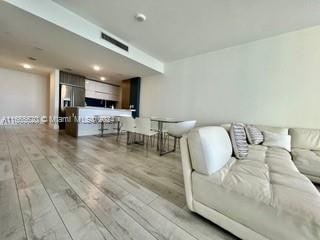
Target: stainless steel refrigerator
70,96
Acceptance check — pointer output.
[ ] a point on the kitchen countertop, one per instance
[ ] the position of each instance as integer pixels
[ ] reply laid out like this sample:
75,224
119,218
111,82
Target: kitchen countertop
85,125
102,108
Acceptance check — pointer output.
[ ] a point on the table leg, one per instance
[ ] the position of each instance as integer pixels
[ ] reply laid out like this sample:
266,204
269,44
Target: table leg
162,147
118,130
102,128
158,137
161,137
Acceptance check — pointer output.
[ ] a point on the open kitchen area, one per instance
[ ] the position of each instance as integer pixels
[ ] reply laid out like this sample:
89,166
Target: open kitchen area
89,107
92,107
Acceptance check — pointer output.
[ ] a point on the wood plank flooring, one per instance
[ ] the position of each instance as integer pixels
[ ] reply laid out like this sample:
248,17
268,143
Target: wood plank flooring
53,186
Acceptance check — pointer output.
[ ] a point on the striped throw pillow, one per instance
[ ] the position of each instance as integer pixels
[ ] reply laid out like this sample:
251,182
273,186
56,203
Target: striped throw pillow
239,140
254,135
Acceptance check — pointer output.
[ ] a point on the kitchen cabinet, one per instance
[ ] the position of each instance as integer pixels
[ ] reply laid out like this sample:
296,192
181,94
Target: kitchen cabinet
104,91
90,94
130,96
90,85
72,79
107,88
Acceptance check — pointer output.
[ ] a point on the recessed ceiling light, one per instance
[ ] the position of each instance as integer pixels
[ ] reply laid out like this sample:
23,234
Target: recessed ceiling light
26,66
32,58
96,68
102,78
38,49
140,17
68,69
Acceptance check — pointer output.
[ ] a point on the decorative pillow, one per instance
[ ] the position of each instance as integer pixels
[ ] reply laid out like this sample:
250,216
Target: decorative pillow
280,130
254,135
239,140
277,140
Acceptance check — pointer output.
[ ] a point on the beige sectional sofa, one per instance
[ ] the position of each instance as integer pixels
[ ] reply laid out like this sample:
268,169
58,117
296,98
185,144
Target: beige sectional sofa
264,196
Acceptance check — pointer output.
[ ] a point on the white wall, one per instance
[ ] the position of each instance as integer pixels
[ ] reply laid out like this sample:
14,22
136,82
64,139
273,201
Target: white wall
54,98
23,94
274,81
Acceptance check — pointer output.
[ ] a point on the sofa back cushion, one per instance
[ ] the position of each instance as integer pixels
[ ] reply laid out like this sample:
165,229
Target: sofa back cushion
226,126
210,149
262,128
305,138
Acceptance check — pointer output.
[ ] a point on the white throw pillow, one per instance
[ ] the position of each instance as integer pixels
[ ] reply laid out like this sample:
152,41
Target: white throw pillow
210,149
277,140
280,130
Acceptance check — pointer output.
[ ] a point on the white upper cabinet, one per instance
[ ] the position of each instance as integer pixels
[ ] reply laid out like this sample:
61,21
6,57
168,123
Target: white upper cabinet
107,88
90,85
100,90
90,94
101,87
115,90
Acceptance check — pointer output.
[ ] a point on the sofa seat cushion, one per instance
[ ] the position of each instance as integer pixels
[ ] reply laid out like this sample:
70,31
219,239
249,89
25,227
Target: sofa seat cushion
278,159
264,192
307,161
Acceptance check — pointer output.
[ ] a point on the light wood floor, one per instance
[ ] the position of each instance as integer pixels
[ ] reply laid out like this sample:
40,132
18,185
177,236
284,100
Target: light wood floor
53,186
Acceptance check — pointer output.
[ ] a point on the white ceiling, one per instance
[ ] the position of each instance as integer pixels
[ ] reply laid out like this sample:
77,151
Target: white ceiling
23,35
181,28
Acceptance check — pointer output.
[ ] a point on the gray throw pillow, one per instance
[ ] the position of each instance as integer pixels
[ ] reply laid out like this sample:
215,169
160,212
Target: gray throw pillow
239,140
254,135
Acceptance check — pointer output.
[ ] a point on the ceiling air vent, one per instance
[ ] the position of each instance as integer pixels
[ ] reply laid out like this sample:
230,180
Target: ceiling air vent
114,42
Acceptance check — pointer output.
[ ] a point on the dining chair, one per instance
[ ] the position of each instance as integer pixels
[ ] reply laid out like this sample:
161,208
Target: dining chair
127,125
143,127
177,130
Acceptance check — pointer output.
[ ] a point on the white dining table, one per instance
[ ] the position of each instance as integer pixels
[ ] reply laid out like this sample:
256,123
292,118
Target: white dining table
161,121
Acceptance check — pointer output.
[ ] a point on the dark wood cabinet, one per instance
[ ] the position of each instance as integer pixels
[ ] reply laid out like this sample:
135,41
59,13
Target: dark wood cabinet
135,95
131,95
125,99
72,79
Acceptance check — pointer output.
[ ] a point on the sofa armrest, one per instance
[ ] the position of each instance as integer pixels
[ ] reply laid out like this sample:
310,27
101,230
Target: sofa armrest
187,171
